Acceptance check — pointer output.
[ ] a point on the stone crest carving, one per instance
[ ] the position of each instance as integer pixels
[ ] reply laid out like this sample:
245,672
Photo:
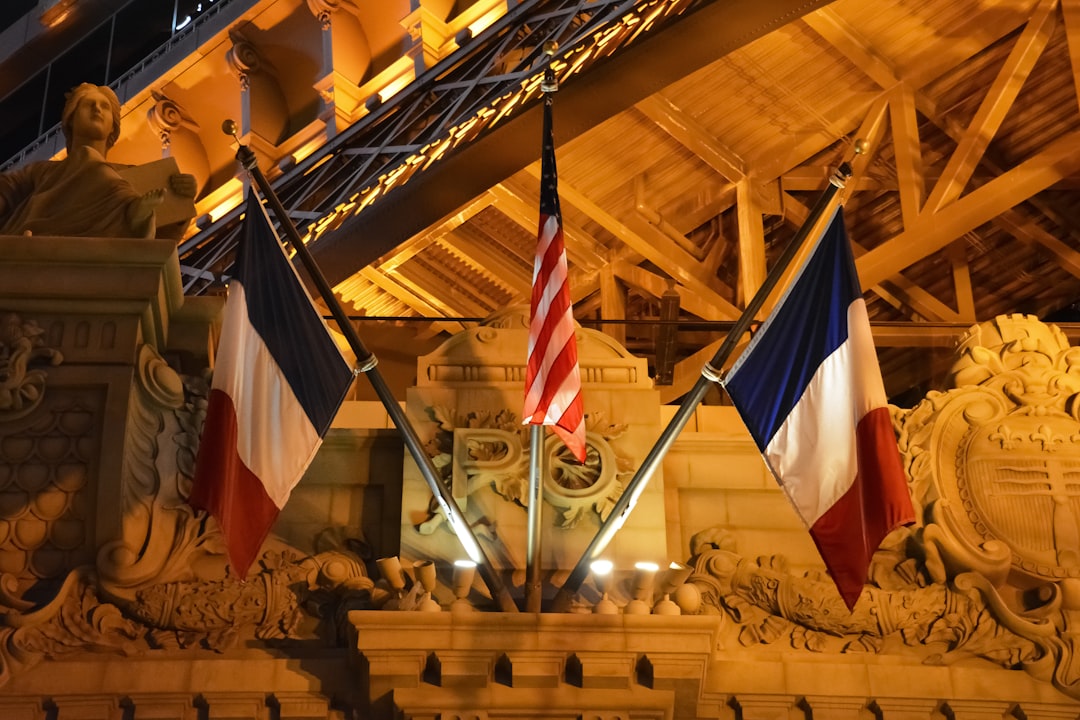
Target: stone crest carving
992,568
492,450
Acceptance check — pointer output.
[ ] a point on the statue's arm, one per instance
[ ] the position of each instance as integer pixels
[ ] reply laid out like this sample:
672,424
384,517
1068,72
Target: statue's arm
15,186
140,212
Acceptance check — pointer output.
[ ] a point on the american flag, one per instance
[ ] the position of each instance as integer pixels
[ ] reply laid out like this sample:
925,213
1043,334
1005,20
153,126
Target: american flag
552,381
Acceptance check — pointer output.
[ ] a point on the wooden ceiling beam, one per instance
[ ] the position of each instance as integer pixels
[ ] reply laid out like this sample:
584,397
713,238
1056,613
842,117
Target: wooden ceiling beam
994,106
934,231
910,181
961,272
1027,230
422,303
899,292
651,244
693,136
1070,11
751,241
418,244
612,304
494,265
654,285
581,248
451,300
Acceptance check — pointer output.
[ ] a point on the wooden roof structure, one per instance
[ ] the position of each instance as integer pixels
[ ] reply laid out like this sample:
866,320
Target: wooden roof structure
678,196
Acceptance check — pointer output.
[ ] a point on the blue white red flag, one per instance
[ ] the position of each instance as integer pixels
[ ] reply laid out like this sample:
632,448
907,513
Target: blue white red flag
552,378
279,379
809,389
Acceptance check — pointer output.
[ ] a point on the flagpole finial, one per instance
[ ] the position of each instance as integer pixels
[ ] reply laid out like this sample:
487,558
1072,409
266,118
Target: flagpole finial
549,84
861,146
244,154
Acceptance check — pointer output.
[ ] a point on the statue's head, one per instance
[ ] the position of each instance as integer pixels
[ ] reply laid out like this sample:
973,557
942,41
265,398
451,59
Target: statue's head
77,95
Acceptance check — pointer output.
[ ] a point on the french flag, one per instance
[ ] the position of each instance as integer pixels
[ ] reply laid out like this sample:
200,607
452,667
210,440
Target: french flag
279,379
809,389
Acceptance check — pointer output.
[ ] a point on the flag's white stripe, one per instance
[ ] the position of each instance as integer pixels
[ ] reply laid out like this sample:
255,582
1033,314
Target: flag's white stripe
814,450
548,231
563,334
554,279
275,438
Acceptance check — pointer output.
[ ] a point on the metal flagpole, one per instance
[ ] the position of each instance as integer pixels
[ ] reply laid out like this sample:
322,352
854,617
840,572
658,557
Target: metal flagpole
367,364
533,583
533,544
710,373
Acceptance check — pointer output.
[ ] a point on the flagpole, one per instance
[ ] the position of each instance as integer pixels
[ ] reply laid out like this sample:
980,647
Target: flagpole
367,363
709,373
533,543
533,583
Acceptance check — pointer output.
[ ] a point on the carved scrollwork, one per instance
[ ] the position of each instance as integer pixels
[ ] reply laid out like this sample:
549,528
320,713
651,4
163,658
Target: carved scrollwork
771,605
211,614
21,345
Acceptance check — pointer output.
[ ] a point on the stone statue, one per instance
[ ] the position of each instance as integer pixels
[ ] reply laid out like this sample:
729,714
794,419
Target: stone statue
83,194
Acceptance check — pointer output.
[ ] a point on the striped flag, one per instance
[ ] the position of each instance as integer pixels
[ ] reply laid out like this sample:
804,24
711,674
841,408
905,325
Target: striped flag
809,389
552,380
279,379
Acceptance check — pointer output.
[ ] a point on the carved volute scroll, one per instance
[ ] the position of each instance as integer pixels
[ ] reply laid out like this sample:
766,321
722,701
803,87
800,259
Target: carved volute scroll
22,352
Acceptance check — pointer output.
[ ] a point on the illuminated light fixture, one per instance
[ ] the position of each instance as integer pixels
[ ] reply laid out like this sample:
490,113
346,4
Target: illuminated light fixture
390,569
601,572
424,570
396,85
676,575
464,573
641,589
57,13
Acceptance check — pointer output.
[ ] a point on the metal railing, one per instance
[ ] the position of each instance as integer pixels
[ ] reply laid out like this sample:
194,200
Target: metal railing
487,80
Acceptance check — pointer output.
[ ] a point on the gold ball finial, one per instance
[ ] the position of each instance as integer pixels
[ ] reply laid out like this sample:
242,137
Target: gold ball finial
550,47
861,146
229,127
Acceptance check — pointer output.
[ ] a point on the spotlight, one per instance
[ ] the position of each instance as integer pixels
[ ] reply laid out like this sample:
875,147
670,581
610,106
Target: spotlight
674,577
464,572
424,570
601,572
642,588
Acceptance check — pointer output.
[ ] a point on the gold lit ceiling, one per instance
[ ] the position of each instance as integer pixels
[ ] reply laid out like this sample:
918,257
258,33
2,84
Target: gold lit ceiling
677,198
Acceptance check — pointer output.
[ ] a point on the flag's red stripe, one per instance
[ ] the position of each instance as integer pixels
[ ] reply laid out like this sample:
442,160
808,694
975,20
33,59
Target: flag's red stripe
849,532
558,375
226,488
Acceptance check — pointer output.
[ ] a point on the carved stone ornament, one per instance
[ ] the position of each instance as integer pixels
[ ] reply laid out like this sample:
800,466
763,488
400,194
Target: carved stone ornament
22,345
164,582
486,450
211,614
166,116
992,567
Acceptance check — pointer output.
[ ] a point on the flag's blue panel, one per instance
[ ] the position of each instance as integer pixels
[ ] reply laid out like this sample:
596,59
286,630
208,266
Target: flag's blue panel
282,313
807,327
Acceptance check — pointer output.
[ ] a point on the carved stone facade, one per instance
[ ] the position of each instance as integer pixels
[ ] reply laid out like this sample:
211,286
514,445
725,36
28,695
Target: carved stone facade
116,602
467,407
